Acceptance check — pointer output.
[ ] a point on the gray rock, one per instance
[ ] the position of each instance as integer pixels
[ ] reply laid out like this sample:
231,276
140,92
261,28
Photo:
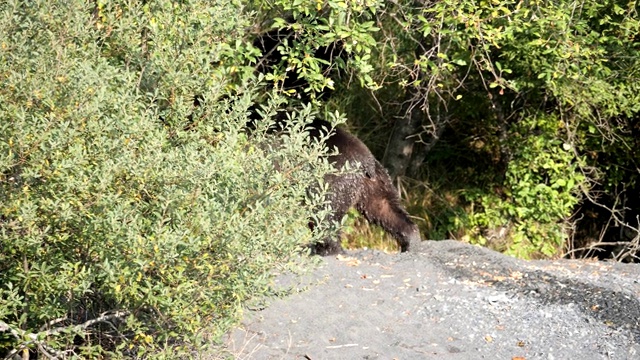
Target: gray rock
449,300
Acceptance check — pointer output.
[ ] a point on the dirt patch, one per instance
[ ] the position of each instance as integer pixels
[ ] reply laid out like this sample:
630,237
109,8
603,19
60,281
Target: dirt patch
448,300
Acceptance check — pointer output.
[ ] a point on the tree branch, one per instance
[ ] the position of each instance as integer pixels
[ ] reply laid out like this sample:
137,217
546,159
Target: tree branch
35,338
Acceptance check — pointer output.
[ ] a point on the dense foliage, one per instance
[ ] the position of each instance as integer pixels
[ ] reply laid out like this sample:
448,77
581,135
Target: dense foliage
558,84
519,117
522,117
134,219
130,221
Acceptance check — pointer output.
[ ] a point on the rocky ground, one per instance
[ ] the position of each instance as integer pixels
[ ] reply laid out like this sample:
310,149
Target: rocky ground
448,300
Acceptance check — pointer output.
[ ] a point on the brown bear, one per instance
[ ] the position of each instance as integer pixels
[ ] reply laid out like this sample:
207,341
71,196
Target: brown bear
369,189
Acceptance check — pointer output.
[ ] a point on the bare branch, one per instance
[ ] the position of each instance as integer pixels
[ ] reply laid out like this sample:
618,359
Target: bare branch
34,338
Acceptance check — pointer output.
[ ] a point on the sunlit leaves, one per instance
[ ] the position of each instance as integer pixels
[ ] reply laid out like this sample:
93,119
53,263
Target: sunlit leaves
109,204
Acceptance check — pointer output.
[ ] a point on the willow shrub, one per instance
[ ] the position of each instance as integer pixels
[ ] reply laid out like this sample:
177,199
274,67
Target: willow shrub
539,189
540,97
121,233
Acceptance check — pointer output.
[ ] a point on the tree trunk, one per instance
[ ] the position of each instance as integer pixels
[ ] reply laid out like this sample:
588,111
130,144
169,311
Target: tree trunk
402,140
423,147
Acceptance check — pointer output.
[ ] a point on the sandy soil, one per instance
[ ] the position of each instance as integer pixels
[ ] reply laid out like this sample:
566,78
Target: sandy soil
448,300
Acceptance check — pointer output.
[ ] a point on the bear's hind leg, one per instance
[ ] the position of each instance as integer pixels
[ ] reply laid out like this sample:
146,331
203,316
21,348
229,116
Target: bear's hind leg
341,197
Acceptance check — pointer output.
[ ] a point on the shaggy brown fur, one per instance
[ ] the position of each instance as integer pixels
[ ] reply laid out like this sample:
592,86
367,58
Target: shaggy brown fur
369,189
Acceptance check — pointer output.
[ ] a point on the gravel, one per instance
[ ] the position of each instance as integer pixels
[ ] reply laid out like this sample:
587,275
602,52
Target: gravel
448,300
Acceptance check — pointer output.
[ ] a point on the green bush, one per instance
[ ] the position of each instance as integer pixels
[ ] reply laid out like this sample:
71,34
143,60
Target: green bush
541,187
313,25
130,222
525,115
